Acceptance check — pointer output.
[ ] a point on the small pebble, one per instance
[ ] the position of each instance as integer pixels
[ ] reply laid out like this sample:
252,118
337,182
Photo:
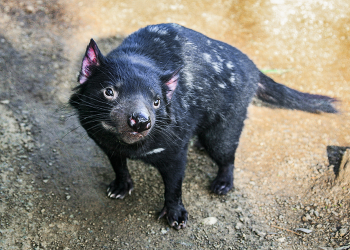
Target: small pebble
304,230
239,225
282,239
307,217
5,101
209,221
343,231
29,9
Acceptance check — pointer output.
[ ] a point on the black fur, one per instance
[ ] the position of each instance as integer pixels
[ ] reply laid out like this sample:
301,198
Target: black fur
164,84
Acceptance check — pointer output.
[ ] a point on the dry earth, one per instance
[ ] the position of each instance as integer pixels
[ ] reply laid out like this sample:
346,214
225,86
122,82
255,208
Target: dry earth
53,178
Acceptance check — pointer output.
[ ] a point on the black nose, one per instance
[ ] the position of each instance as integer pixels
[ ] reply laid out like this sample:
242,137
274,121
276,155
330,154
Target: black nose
139,122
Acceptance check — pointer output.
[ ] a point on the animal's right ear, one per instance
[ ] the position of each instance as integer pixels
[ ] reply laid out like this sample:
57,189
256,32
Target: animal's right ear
171,80
91,60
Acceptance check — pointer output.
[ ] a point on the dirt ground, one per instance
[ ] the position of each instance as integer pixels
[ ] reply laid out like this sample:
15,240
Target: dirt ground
54,179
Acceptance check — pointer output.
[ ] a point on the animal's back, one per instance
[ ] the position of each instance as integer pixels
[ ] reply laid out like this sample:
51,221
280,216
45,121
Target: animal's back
216,78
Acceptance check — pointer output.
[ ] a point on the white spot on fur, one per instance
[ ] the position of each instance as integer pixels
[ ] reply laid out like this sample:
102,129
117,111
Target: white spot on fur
158,30
217,66
153,28
207,57
232,78
229,65
221,85
157,39
163,32
219,58
155,151
190,44
184,104
189,78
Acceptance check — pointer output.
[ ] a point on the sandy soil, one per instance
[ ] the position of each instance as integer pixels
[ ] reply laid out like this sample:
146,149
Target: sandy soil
53,178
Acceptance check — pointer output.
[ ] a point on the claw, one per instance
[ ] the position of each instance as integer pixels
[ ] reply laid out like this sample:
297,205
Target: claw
119,196
108,190
175,224
112,196
183,224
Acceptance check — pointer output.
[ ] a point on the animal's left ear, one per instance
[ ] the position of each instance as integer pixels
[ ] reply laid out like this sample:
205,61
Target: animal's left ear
171,80
91,60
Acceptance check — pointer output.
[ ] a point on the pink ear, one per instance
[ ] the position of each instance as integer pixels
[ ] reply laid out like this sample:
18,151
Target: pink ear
90,60
172,83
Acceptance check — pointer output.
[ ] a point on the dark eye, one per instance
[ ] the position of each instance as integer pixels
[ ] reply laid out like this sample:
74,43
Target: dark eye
156,103
109,92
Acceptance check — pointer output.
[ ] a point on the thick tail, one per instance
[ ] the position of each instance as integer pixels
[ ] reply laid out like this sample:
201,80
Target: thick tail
281,96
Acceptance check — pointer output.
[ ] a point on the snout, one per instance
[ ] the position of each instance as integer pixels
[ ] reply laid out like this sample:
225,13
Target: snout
139,122
133,119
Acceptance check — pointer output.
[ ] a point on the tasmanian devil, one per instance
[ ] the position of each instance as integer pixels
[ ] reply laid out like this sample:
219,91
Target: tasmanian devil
163,85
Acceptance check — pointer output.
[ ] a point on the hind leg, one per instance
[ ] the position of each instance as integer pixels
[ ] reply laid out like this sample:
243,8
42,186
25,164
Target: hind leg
224,180
221,142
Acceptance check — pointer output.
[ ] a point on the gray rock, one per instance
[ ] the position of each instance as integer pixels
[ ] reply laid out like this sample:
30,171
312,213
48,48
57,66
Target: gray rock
316,213
239,225
282,239
306,217
209,221
304,230
343,231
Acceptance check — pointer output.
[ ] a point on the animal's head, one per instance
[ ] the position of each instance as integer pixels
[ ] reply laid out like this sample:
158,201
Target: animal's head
124,95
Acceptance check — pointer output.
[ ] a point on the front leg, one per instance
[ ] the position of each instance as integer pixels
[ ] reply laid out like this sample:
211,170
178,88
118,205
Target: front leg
122,183
172,171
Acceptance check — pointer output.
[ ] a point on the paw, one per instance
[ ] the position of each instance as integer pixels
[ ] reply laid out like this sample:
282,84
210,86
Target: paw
176,215
222,184
118,189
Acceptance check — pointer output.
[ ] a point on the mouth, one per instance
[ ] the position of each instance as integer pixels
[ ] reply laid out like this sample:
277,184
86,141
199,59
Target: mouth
131,137
133,134
128,137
